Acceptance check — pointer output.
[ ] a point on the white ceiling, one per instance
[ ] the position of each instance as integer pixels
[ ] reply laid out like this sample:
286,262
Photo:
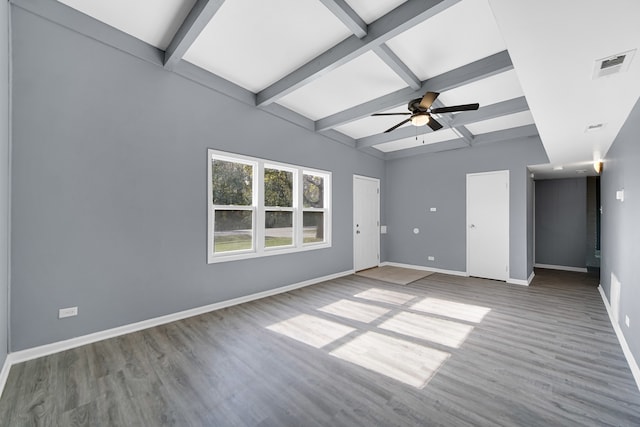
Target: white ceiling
142,19
328,65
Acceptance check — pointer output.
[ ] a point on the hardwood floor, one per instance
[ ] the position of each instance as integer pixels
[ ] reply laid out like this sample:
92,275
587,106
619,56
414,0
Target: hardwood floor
444,350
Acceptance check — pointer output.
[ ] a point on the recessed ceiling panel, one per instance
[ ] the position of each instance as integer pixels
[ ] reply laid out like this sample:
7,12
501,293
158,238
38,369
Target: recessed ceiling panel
151,21
497,88
369,10
554,46
499,123
422,139
255,43
461,34
365,78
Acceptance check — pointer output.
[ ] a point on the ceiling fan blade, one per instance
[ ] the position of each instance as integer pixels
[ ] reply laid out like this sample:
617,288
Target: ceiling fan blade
398,125
453,109
428,99
391,114
434,124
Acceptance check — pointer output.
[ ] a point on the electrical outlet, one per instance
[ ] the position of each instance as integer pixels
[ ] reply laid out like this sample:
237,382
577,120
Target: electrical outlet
433,210
431,258
67,312
626,321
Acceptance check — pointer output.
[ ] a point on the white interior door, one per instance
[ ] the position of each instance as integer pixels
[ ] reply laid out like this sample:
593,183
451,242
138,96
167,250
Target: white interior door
366,222
488,225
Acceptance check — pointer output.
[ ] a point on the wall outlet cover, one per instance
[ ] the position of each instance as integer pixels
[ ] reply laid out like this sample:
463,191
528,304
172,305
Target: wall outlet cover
431,258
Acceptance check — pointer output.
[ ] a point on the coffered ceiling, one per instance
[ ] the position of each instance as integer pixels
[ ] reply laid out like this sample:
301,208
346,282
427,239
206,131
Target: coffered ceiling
327,65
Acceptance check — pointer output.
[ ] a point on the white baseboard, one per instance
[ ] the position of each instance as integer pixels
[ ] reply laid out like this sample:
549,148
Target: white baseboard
633,365
423,268
47,349
562,267
4,374
522,282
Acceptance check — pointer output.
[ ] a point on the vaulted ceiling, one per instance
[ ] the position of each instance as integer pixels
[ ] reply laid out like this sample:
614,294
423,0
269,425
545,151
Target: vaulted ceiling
327,65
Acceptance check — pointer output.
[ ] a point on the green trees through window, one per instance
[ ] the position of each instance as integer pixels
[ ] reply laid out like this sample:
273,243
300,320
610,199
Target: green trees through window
232,191
313,215
256,207
278,202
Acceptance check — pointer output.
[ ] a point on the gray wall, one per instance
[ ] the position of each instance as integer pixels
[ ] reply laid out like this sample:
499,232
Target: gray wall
4,179
620,231
561,222
109,188
415,184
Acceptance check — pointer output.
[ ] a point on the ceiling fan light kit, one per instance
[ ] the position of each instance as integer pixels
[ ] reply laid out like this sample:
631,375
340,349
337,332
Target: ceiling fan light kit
419,119
420,112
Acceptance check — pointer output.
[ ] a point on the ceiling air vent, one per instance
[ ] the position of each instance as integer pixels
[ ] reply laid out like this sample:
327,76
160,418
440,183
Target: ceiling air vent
594,127
613,64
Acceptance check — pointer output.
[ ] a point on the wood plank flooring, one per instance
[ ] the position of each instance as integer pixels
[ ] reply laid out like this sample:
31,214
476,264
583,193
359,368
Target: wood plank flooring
441,351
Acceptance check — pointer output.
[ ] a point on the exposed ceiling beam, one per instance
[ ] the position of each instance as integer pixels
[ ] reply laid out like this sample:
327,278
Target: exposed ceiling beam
405,132
446,120
506,134
380,31
214,82
399,67
504,108
464,133
381,138
348,16
289,115
452,144
197,19
339,137
299,120
483,68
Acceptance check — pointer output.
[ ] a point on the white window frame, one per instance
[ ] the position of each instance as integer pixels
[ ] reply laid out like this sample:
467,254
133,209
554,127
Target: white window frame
259,210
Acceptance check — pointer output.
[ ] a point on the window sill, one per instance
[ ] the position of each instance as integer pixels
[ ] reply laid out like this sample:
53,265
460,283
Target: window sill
214,259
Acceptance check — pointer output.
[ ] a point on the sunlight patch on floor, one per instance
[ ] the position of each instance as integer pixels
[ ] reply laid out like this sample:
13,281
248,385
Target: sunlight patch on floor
440,331
355,310
455,310
386,296
311,330
401,330
401,360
